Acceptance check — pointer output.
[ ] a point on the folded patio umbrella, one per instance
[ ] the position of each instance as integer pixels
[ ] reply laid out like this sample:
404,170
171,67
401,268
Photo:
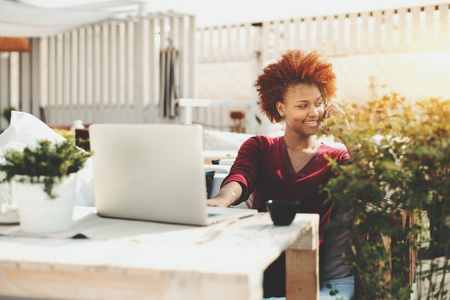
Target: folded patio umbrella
168,82
26,20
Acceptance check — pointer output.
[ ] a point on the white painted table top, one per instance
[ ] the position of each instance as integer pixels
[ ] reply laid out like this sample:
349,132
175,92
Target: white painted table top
242,246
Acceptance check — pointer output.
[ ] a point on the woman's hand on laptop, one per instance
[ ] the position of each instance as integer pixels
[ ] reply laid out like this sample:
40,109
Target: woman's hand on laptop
217,202
227,195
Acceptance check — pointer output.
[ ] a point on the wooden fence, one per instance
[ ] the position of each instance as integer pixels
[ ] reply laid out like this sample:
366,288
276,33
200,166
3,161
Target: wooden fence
109,72
407,29
416,28
106,72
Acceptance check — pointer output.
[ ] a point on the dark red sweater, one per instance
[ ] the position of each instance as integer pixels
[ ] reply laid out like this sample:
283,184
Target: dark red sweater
263,168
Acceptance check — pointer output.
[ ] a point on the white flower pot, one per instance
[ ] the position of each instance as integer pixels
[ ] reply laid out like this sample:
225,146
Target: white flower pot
40,214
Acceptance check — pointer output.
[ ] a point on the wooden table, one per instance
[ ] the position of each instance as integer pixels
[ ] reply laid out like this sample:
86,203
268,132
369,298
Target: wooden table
222,261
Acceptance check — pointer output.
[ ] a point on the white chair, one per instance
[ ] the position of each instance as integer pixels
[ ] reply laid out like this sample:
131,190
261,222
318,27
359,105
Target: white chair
221,171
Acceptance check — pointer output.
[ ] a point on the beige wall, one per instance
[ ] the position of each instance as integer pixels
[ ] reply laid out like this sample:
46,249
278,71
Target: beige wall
414,75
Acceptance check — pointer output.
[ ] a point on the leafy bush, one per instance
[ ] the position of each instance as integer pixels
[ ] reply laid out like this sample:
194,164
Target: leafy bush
399,171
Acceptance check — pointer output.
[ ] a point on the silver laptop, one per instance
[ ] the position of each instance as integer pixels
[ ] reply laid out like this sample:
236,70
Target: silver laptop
153,172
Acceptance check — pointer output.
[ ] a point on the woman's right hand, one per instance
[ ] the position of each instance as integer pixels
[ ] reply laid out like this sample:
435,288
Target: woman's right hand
217,202
227,195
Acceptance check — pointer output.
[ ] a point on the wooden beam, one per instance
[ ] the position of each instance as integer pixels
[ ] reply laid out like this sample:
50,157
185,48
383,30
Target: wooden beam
106,284
14,44
303,255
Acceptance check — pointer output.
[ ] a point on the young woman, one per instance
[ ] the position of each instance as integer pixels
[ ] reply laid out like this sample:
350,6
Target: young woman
297,89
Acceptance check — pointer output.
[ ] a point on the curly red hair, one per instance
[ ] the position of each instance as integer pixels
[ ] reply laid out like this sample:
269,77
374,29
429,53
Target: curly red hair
293,68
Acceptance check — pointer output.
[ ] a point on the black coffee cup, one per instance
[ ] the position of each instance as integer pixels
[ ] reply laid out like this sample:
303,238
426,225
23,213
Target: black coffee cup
282,212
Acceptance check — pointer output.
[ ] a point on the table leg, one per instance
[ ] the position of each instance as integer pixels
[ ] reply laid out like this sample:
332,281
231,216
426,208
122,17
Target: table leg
302,266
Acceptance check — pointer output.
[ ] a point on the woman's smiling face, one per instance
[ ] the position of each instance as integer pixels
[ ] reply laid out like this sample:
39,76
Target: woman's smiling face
303,109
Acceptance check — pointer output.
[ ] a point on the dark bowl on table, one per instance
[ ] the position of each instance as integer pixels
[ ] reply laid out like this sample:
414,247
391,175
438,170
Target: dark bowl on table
282,212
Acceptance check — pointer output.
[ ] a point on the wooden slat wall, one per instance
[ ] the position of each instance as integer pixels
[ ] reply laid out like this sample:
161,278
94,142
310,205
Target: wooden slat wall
4,84
370,32
14,83
106,72
94,74
416,28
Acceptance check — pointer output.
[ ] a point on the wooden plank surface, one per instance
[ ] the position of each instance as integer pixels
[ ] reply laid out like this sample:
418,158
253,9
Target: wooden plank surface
39,69
389,31
416,38
304,284
296,39
215,35
25,81
364,33
59,284
402,30
303,255
443,25
353,31
97,75
67,83
129,54
14,83
376,37
113,74
429,32
288,40
248,47
222,261
276,38
105,72
319,34
341,42
192,59
308,46
265,43
80,96
331,44
74,82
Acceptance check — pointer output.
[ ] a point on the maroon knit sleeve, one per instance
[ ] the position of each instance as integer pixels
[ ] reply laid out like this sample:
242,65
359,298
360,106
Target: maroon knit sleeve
245,167
342,155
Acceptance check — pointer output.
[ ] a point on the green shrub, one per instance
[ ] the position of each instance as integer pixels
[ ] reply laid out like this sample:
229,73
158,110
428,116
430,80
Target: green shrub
400,163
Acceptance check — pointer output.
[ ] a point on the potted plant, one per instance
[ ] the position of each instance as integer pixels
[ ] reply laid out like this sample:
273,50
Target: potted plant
44,182
395,192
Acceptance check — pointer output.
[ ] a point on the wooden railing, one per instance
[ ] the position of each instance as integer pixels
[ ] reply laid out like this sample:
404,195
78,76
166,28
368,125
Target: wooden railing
395,30
106,72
